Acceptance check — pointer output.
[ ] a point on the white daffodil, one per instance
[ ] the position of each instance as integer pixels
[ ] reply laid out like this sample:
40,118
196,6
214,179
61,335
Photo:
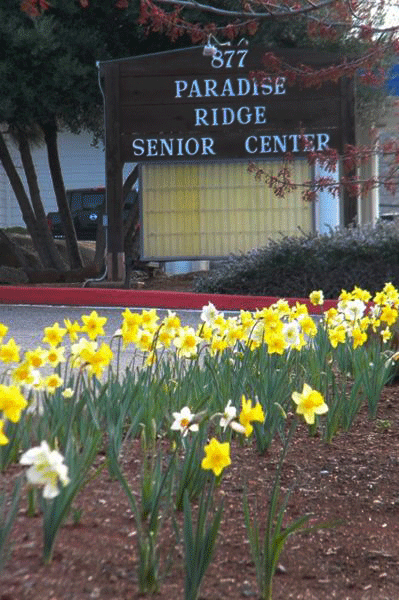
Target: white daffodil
354,310
228,419
230,413
209,314
291,333
47,469
184,421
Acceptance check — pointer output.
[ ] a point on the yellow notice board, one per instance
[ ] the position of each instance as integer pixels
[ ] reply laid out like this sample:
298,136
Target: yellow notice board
213,209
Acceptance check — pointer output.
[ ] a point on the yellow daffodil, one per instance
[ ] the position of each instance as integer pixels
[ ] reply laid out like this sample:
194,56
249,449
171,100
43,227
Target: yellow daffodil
375,323
337,335
171,323
379,298
359,337
204,332
249,414
234,334
298,311
53,335
3,438
165,337
99,360
129,333
82,351
37,358
246,319
12,402
132,319
389,315
330,315
257,335
149,319
217,456
282,307
345,296
316,297
270,318
93,325
276,343
3,331
24,374
218,344
9,352
391,293
309,403
363,295
187,342
151,358
220,323
308,326
144,339
386,334
52,382
72,329
56,355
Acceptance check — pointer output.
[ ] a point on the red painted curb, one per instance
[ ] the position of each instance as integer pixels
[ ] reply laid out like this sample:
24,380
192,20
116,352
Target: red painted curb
68,296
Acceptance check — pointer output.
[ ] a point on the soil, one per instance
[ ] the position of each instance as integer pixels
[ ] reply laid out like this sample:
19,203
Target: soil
158,280
147,279
354,479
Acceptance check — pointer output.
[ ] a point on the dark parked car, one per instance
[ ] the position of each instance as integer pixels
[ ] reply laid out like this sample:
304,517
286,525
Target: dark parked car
87,206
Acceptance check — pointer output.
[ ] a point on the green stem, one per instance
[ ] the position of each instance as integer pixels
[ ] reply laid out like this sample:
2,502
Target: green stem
31,502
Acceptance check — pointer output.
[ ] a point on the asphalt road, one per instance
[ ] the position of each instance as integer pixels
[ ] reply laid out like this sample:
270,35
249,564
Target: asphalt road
26,323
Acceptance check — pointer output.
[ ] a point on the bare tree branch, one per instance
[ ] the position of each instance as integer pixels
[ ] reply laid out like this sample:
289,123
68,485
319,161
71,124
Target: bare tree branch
270,10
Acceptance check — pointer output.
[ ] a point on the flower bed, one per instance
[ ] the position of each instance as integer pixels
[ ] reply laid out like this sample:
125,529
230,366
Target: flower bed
143,471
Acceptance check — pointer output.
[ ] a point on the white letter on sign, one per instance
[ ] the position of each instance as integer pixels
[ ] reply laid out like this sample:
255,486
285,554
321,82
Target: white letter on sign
181,85
138,149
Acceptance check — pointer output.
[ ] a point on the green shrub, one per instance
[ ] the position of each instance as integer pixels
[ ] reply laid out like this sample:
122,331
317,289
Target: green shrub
294,266
16,229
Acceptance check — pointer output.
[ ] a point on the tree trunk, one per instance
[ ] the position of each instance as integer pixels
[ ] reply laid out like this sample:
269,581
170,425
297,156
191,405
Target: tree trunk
43,229
130,237
130,228
24,204
50,136
130,181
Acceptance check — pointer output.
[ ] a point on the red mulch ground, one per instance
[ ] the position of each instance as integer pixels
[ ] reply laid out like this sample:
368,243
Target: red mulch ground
354,479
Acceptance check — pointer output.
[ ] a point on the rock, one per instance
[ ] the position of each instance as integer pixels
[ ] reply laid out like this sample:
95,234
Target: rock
12,275
45,276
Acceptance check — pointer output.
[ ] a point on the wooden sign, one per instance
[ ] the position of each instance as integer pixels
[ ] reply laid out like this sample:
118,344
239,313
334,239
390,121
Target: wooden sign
182,105
191,105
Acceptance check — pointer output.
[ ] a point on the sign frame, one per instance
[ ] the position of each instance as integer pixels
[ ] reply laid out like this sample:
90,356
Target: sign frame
175,106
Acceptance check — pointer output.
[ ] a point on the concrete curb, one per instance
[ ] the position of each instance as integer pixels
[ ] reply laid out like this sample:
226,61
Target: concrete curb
101,297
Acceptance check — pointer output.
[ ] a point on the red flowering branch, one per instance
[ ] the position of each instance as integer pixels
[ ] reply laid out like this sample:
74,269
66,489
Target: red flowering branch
34,8
306,76
325,17
353,158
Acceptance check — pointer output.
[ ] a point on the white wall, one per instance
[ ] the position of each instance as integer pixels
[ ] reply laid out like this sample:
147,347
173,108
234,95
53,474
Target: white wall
327,205
82,166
